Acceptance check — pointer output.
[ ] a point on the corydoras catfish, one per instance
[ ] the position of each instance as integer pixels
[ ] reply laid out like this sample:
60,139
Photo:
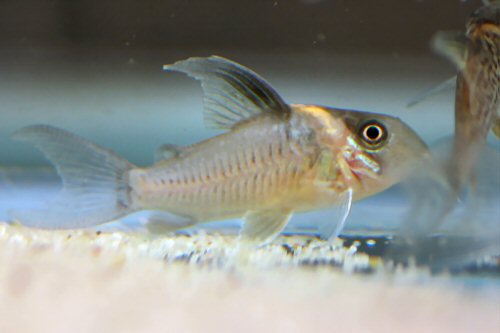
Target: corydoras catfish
440,230
274,159
477,94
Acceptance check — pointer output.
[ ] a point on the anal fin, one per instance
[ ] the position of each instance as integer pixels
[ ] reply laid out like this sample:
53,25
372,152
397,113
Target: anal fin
160,223
264,225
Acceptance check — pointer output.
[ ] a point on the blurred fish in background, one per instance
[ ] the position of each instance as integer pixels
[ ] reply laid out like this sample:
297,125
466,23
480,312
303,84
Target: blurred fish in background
477,98
455,215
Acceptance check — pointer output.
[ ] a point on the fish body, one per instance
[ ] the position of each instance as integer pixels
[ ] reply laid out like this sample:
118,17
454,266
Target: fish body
264,163
274,159
477,94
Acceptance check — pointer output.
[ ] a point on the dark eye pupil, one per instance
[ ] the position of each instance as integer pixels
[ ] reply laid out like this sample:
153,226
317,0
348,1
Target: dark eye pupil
372,132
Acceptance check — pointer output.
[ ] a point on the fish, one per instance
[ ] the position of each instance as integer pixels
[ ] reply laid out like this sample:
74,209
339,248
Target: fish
452,220
476,55
273,159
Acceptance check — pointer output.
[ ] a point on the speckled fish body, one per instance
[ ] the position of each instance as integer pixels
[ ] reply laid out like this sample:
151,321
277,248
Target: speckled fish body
255,166
274,159
477,98
262,164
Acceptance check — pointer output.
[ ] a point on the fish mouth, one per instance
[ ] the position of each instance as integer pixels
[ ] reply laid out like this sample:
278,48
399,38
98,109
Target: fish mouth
362,167
361,174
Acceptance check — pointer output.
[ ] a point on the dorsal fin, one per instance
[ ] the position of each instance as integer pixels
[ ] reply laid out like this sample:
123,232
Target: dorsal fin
232,92
451,45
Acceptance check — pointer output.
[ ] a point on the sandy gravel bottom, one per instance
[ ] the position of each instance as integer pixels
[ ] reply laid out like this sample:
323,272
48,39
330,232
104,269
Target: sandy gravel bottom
82,281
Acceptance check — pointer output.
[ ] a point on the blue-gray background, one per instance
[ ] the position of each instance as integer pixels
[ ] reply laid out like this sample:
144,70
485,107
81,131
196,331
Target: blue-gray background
94,67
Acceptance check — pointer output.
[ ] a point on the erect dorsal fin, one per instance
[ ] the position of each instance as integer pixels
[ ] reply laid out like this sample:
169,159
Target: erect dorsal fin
232,92
451,44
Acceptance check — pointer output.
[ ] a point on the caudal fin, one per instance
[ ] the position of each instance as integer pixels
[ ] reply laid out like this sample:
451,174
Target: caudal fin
95,181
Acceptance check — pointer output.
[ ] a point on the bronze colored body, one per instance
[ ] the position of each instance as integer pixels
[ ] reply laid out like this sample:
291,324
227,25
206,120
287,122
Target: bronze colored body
274,159
263,163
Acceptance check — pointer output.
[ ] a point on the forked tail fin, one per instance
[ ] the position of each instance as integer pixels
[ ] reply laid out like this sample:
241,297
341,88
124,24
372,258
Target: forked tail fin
95,181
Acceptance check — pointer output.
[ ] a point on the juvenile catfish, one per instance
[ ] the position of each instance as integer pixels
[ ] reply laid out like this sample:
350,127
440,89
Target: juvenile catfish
275,159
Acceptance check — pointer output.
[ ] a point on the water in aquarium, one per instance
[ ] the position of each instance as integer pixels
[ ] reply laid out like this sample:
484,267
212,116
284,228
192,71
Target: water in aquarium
324,165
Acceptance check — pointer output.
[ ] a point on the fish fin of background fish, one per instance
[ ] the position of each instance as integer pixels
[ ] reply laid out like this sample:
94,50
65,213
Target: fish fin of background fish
95,182
496,126
232,92
163,222
264,225
333,223
440,235
447,85
451,45
430,191
167,151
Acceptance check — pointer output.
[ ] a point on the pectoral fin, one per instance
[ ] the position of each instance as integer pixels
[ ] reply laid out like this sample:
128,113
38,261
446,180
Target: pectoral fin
232,92
451,44
336,216
263,226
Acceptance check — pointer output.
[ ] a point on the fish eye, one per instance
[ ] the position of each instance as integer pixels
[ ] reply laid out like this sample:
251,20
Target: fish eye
373,133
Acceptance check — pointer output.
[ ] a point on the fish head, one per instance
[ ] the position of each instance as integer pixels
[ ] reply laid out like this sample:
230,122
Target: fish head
485,20
380,150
